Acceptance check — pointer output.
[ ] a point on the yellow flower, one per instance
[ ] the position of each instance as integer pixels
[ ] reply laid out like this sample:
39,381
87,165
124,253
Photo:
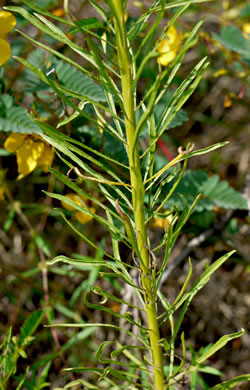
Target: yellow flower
168,47
81,216
59,12
5,51
162,223
227,101
246,30
1,193
7,23
220,72
31,152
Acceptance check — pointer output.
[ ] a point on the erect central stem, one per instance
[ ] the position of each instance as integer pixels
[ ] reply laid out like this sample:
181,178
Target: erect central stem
138,192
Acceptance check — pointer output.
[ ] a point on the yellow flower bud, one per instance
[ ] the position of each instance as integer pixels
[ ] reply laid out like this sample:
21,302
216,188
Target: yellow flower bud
7,22
5,51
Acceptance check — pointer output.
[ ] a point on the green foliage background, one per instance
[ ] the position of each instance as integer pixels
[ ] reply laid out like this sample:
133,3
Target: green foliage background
27,214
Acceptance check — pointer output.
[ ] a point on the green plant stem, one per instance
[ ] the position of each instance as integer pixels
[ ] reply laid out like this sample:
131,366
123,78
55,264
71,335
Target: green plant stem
138,193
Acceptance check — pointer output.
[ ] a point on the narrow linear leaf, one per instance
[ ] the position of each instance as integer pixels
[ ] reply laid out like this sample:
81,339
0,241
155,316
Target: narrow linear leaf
227,385
218,345
98,325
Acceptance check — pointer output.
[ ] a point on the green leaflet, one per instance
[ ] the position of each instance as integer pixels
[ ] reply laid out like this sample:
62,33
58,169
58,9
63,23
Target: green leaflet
17,120
214,192
30,325
73,79
231,37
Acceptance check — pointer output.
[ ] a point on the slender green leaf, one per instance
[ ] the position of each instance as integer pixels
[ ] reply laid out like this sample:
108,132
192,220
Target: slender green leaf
218,345
30,325
230,384
126,316
106,295
98,325
201,282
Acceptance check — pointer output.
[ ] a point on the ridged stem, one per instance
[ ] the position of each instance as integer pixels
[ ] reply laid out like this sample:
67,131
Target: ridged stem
138,192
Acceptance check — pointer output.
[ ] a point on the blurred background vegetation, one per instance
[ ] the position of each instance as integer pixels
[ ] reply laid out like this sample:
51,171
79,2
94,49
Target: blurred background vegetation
31,232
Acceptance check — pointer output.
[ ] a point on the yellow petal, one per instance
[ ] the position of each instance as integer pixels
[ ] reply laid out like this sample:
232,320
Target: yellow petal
1,193
5,51
227,101
75,197
160,223
226,4
7,22
83,217
26,162
46,159
246,29
172,36
13,142
163,46
36,149
71,196
59,12
165,59
220,72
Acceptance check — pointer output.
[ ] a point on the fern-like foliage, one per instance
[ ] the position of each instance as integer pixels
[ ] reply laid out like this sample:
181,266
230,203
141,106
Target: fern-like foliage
214,192
16,119
231,37
68,76
74,80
